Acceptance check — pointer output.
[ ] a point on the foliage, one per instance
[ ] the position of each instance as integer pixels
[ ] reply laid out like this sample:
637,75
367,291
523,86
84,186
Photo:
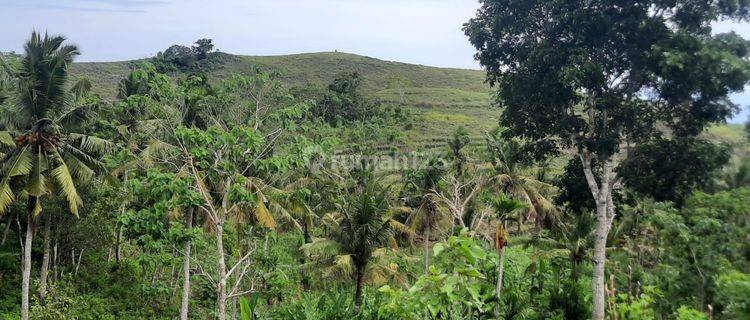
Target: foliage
179,57
733,290
455,288
668,170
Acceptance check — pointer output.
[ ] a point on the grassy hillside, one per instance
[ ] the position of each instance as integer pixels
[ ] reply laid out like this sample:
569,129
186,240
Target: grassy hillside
442,98
385,79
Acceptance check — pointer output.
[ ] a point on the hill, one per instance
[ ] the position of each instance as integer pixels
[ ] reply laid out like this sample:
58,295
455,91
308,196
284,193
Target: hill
385,79
442,98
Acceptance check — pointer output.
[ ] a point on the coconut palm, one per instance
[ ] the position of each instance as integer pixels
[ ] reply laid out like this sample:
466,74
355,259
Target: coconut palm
506,208
570,240
456,144
363,227
43,156
427,214
511,175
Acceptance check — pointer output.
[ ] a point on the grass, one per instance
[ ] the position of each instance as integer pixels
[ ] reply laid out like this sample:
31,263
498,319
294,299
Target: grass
434,97
732,134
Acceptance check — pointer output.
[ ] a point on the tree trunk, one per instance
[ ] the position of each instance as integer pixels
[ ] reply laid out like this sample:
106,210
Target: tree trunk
45,258
308,236
234,308
600,258
78,262
186,271
602,193
26,277
500,273
308,239
55,255
427,251
358,292
221,290
118,245
7,230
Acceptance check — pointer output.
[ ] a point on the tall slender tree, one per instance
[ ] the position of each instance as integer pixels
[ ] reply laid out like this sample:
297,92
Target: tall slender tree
505,207
592,76
427,215
43,157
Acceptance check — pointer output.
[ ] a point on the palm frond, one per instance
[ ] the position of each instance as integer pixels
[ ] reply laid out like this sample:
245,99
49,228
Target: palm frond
91,144
66,183
6,139
36,185
321,248
78,168
402,229
16,163
263,216
342,266
283,214
6,196
156,148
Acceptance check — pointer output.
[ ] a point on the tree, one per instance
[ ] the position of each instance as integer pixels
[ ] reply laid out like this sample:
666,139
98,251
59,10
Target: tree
344,102
202,48
512,175
456,144
363,226
424,184
180,56
227,168
668,170
505,207
44,157
599,74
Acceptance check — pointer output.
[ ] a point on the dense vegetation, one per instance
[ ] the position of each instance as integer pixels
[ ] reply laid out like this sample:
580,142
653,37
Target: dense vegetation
188,190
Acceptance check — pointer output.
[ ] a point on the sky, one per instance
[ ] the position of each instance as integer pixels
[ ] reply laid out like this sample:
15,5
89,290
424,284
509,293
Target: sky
424,32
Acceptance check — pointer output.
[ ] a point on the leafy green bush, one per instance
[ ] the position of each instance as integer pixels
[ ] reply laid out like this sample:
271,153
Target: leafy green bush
456,287
734,293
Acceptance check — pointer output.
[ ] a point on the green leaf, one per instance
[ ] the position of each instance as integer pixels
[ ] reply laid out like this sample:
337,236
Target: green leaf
438,248
36,181
6,139
67,185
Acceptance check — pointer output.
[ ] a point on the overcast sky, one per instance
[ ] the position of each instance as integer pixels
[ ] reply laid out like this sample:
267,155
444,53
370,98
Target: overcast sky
416,31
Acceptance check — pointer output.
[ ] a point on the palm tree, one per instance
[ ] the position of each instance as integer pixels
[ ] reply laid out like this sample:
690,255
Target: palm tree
456,144
363,227
427,215
571,240
506,208
512,176
44,156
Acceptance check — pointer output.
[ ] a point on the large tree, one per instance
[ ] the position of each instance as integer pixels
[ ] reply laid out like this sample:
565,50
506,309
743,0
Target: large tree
43,156
594,75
